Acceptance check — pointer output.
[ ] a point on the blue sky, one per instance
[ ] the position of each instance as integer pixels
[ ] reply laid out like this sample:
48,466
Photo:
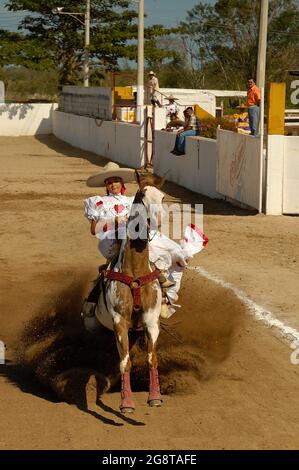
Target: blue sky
169,12
166,12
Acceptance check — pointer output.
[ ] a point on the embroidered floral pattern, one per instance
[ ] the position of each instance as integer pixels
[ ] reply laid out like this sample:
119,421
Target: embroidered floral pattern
119,208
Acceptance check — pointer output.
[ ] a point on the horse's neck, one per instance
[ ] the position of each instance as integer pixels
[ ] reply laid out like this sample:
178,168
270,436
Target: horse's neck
135,260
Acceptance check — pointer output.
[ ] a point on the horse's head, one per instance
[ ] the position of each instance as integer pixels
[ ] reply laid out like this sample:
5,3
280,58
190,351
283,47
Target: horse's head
148,179
147,208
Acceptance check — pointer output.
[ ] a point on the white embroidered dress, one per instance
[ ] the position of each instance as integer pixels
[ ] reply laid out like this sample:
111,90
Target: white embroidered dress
106,209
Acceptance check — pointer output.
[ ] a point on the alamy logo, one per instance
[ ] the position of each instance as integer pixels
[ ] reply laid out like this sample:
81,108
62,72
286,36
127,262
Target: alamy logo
294,358
295,93
2,353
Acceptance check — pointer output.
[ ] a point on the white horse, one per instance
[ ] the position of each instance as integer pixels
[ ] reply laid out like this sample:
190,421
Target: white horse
132,295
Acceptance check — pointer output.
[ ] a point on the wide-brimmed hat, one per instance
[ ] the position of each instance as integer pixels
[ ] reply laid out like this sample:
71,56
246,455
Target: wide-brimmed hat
151,73
171,97
110,170
241,106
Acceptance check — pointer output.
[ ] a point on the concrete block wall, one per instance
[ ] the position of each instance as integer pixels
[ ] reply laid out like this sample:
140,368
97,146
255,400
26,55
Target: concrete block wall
282,190
17,119
87,101
117,141
195,171
239,169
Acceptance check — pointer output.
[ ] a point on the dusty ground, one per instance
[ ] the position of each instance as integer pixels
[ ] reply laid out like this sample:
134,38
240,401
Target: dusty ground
232,381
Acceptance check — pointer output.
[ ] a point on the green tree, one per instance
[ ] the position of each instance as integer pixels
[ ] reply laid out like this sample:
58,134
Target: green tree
221,40
57,41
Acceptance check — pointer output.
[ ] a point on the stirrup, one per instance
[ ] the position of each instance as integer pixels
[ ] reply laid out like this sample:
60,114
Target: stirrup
164,281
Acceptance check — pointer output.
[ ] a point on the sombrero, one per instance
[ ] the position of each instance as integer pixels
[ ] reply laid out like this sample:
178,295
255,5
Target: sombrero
241,106
171,97
151,73
109,170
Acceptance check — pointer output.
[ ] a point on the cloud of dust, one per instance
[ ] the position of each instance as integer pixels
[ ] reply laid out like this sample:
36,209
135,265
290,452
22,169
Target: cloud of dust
63,356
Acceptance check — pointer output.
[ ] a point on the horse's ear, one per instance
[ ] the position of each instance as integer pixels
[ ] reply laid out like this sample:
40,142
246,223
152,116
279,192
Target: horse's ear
137,175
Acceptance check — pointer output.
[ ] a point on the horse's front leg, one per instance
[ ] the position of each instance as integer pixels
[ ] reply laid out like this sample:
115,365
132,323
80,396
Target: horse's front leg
151,322
122,340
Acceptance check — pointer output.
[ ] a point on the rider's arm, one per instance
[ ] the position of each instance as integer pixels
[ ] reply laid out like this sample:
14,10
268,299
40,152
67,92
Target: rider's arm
98,225
93,227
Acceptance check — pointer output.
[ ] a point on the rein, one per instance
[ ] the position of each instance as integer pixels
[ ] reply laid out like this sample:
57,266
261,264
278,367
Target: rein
134,283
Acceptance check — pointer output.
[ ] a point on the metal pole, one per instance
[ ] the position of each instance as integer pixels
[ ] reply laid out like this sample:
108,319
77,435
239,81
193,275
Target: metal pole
87,42
260,81
261,163
261,61
140,81
140,78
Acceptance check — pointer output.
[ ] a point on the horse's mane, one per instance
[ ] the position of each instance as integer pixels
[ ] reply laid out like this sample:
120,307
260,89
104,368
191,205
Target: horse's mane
148,179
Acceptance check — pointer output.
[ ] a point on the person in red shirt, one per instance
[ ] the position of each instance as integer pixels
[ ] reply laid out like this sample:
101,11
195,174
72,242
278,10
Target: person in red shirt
253,103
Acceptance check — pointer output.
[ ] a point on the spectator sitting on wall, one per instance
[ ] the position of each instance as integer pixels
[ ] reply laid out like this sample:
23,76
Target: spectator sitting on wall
175,123
242,120
191,127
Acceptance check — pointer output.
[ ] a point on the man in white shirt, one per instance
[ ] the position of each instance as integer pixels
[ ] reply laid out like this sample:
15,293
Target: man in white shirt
153,87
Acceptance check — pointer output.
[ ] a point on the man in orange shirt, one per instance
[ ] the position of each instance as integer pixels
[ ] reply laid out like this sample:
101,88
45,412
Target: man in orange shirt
253,103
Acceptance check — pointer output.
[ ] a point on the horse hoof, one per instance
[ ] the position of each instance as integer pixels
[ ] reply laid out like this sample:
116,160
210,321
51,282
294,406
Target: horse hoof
155,403
125,411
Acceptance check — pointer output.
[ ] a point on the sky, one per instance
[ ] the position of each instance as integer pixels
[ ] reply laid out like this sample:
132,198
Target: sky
166,12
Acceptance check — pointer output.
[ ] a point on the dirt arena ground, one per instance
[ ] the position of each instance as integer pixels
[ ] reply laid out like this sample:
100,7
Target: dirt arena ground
227,379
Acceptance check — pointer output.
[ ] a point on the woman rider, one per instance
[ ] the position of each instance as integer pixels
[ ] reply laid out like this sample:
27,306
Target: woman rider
109,214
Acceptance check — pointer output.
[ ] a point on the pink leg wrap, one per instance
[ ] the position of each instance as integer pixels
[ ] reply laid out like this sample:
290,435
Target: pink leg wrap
154,392
126,393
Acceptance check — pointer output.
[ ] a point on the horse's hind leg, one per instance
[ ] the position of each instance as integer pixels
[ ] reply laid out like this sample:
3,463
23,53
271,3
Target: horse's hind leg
122,340
152,333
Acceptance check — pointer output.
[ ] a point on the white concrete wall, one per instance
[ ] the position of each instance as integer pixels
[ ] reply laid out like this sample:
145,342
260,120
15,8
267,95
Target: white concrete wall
18,119
117,141
239,170
291,175
274,178
282,195
195,171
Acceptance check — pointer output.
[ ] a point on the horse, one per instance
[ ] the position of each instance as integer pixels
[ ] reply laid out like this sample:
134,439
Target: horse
132,295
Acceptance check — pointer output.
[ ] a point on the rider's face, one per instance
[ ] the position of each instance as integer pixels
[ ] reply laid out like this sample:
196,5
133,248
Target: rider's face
114,185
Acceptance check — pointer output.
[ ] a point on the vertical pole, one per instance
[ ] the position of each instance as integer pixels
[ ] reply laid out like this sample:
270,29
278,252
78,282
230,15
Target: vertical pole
153,135
262,50
260,81
146,122
140,79
87,42
262,169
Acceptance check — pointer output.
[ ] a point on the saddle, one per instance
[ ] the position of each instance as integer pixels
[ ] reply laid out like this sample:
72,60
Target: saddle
90,303
106,273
